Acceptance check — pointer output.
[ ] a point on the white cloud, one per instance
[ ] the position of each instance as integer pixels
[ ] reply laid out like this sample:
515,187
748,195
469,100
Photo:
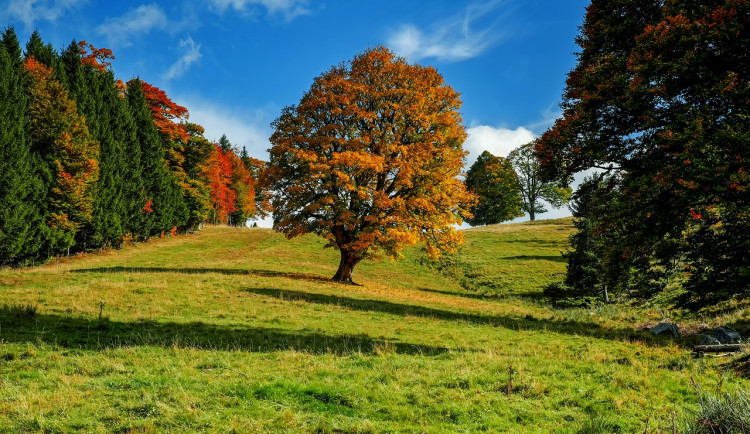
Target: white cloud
451,40
191,53
290,9
29,11
139,21
499,141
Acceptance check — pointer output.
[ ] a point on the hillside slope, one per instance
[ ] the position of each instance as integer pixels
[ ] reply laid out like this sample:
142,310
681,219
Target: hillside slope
240,329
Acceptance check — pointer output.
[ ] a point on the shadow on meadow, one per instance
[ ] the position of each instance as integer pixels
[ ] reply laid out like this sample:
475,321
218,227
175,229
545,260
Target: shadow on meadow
229,271
489,297
22,324
553,258
513,323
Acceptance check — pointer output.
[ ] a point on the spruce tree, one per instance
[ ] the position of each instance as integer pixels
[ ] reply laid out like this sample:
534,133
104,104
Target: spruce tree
162,199
42,53
109,203
133,188
19,221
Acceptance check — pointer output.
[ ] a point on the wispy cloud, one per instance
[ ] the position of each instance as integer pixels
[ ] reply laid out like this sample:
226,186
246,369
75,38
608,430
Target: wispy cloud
122,30
191,53
30,11
289,9
451,40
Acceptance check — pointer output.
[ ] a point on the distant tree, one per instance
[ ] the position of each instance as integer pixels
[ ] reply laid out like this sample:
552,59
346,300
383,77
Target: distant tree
495,183
225,144
370,159
218,172
533,189
257,169
243,185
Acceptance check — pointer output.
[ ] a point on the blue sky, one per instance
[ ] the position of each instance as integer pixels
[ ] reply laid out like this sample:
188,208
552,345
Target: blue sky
236,63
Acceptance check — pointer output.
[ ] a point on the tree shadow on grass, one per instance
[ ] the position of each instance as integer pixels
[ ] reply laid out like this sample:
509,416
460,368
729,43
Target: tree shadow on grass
553,258
22,324
229,271
513,323
488,297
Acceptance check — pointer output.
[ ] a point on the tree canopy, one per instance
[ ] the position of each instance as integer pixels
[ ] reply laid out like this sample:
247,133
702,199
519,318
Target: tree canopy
369,159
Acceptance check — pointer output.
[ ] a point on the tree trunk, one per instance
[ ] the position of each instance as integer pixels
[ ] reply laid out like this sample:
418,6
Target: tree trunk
532,216
346,266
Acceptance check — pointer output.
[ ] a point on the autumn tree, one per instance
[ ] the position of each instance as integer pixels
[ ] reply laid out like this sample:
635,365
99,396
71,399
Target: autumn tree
257,168
494,182
660,97
369,159
243,185
218,172
532,187
60,135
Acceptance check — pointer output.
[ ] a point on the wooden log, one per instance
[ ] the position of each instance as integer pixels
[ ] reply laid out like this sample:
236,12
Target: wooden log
725,348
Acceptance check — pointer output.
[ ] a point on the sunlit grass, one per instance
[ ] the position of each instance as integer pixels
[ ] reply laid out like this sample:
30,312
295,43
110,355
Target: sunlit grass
240,329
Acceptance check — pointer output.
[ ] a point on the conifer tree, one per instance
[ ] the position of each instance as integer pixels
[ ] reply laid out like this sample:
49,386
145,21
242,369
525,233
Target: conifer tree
19,221
135,209
164,207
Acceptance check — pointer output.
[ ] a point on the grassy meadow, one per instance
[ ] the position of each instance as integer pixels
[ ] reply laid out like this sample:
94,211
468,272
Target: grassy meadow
242,330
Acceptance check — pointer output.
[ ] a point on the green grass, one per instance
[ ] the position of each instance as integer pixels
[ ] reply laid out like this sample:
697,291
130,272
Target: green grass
242,330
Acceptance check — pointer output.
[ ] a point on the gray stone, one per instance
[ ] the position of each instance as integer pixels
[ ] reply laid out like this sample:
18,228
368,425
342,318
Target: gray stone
709,340
727,335
665,327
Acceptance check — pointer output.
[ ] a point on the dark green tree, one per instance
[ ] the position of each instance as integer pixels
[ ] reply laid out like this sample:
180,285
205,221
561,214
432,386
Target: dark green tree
495,183
160,195
225,144
532,187
19,186
660,95
41,52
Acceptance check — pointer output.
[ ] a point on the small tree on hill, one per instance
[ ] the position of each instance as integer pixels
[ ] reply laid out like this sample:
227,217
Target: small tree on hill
495,183
533,189
369,160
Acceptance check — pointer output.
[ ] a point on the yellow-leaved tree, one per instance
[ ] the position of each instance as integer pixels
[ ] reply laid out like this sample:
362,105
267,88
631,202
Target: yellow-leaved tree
370,159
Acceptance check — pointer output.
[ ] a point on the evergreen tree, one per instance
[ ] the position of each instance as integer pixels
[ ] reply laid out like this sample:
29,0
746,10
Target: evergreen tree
224,144
19,217
42,53
164,206
109,203
136,211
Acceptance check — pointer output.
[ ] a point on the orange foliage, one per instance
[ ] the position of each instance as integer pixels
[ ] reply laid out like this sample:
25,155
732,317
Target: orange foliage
370,160
97,58
243,185
165,112
62,133
218,171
